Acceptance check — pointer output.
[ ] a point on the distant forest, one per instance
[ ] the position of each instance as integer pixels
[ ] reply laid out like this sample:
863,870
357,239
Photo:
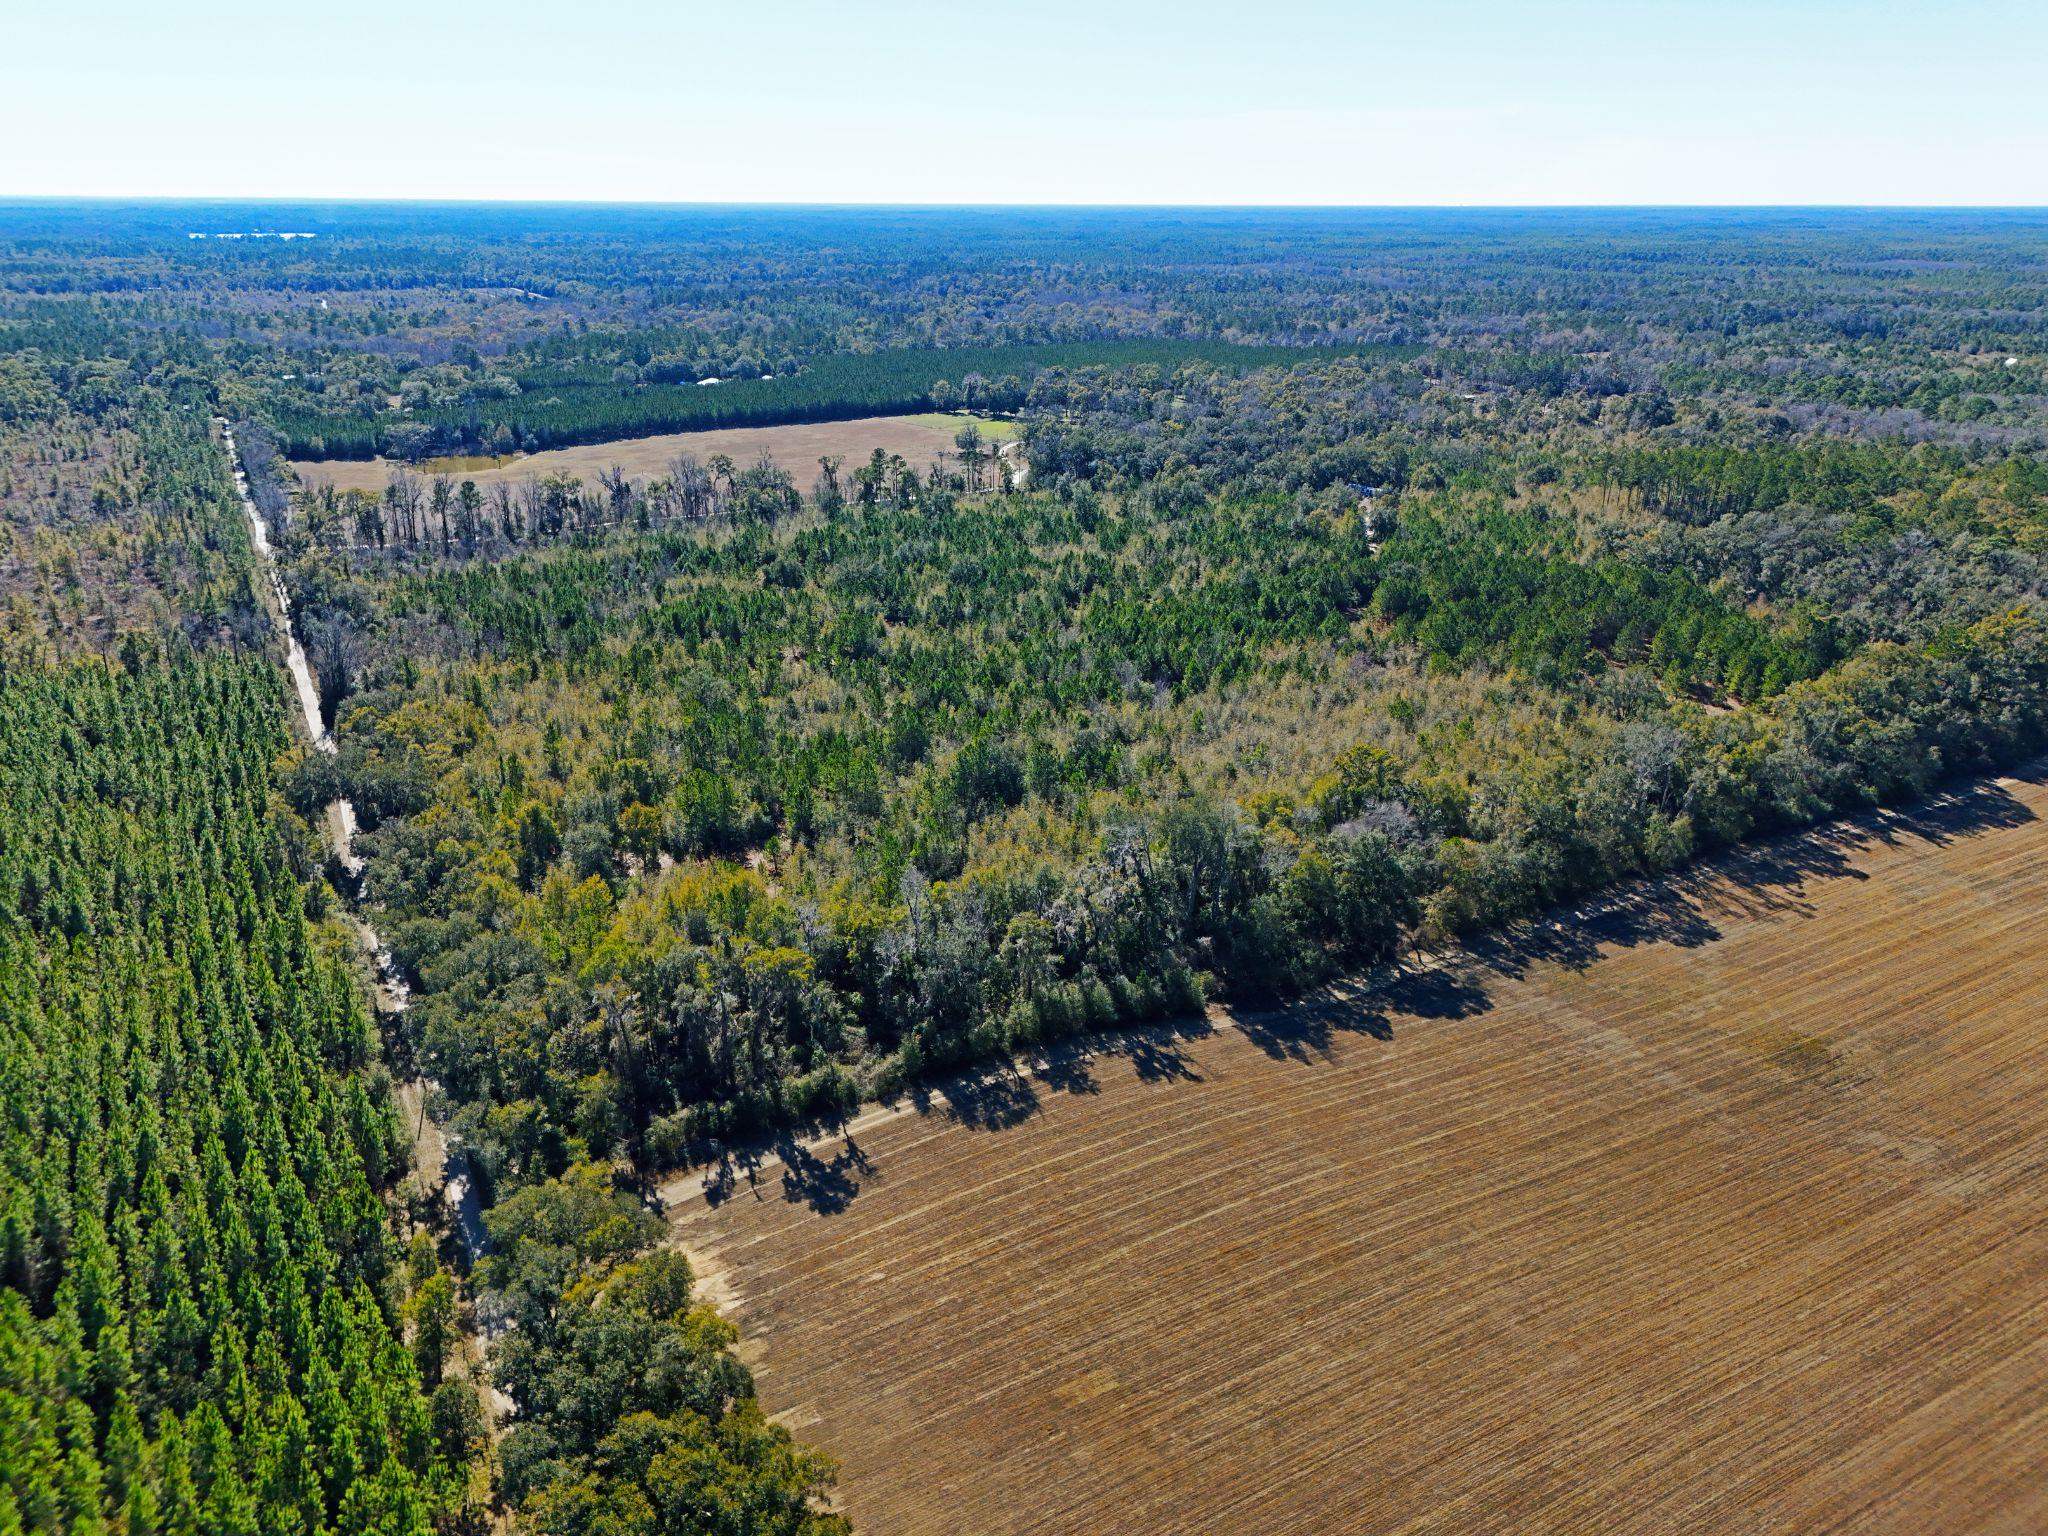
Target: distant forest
1358,583
554,403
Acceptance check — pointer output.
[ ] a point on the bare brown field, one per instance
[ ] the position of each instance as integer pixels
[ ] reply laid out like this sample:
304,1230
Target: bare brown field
796,447
1720,1209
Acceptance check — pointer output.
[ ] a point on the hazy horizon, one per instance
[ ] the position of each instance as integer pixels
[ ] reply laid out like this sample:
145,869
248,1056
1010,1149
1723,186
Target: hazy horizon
370,200
1473,103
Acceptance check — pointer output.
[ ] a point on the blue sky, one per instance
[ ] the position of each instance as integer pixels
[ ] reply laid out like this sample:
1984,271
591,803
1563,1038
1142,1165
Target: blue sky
1265,101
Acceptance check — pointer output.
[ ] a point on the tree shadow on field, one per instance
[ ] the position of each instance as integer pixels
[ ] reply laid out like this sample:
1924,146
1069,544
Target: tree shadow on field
1307,1028
722,1176
826,1187
1664,912
1155,1052
1070,1072
993,1100
998,1097
1688,909
1161,1064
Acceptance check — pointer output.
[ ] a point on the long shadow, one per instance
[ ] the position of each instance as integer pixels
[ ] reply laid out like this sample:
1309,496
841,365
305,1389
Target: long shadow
723,1175
1765,879
1305,1029
1155,1052
1007,1094
1070,1072
1665,913
1685,909
989,1101
826,1188
1965,813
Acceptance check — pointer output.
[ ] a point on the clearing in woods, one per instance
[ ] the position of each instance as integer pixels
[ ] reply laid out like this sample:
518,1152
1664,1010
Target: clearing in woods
797,447
1722,1209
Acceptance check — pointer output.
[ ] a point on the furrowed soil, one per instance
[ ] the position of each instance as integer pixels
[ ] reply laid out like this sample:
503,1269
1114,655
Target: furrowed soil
797,447
1719,1208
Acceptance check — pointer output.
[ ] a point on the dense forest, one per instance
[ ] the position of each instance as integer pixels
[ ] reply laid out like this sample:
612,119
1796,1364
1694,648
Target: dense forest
1355,584
550,404
230,1302
812,802
199,1287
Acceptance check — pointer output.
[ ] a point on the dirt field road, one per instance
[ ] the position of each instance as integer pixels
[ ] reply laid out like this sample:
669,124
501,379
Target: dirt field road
442,1172
1726,1213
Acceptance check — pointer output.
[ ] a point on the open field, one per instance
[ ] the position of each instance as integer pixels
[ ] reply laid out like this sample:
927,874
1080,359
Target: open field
796,448
586,403
1723,1211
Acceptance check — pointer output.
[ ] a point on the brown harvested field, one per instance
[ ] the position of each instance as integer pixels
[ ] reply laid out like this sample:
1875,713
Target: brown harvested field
1729,1216
797,448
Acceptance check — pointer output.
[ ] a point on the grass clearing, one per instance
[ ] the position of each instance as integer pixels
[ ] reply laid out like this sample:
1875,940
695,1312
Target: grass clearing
1715,1208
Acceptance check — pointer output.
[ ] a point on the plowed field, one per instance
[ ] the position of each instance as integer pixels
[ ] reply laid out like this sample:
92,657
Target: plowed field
796,447
1722,1209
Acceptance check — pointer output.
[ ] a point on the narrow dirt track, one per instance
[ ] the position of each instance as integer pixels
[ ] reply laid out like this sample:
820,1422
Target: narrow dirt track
1723,1211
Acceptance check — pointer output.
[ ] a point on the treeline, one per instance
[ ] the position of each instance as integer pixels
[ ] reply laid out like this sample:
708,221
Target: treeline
453,517
947,776
549,412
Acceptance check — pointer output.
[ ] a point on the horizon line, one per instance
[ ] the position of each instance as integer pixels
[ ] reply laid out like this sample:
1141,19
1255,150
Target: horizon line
15,199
